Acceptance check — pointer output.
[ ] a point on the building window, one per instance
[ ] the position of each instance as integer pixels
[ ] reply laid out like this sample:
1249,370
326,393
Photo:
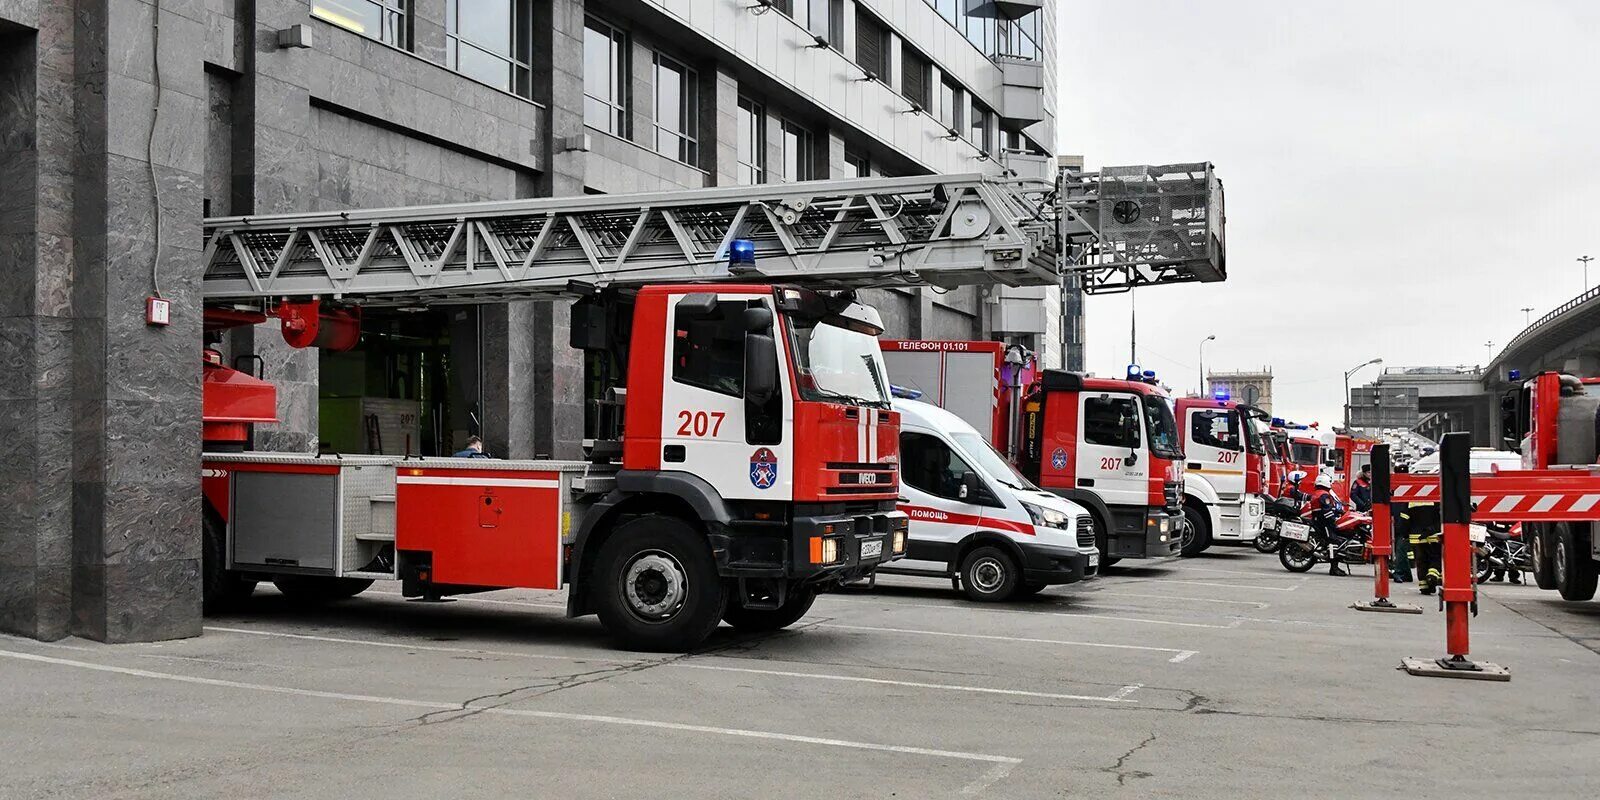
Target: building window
752,142
929,465
785,7
1017,38
708,349
872,45
605,77
981,134
860,165
677,111
826,19
1111,421
490,41
949,108
916,76
798,147
388,21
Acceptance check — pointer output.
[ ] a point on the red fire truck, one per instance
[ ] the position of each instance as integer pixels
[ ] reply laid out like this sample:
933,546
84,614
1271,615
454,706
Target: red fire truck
1551,420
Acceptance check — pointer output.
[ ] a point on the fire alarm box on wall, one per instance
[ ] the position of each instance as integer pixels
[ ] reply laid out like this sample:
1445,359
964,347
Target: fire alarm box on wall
157,311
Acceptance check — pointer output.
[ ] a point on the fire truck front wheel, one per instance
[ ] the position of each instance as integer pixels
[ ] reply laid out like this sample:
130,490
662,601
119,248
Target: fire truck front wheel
1196,531
1576,576
658,588
763,620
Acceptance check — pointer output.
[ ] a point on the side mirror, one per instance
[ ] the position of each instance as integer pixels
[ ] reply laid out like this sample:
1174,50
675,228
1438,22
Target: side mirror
1133,458
760,368
971,487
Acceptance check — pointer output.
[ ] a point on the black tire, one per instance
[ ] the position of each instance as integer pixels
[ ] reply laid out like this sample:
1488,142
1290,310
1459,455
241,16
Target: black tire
317,589
1102,542
1028,589
990,575
1196,531
1541,544
1574,571
1267,542
761,620
1297,556
221,589
657,587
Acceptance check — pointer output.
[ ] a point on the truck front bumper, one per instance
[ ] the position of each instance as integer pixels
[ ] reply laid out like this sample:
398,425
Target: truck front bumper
812,548
1140,532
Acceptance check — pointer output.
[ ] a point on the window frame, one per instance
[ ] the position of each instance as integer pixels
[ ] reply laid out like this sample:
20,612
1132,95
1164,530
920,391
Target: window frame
950,105
402,9
915,63
805,157
731,318
688,140
860,163
1136,428
980,118
519,72
757,169
912,476
1202,434
866,25
619,110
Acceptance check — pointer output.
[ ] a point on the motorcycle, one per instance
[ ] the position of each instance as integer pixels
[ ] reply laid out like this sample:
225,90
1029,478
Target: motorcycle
1303,544
1501,549
1278,509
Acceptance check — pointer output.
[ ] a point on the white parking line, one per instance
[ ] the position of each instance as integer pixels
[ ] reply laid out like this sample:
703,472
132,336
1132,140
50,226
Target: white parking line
427,647
1181,655
518,712
1184,598
1180,581
1120,696
1042,613
1267,575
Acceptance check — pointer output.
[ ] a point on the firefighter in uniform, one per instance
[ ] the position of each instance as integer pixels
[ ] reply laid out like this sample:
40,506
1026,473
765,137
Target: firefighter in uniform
1325,512
1421,525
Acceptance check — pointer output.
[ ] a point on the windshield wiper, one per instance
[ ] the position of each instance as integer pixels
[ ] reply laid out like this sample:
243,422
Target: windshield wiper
852,399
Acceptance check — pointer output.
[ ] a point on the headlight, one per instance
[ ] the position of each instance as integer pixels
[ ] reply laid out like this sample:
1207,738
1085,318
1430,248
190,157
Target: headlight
1046,517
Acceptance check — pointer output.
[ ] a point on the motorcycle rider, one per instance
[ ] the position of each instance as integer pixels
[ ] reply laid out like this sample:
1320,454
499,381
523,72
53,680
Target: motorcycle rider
1326,509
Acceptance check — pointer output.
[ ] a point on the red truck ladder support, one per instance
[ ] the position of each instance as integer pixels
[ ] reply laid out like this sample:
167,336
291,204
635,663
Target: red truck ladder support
1382,538
1459,594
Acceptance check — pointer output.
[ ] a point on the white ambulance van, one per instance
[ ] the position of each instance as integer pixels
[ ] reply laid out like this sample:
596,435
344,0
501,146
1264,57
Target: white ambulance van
976,521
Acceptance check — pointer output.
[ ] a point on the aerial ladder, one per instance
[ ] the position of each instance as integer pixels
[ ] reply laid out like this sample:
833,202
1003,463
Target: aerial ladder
729,322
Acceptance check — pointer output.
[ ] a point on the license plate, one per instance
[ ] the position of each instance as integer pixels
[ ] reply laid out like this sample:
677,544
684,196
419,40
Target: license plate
1297,531
1478,534
1270,523
1094,558
872,548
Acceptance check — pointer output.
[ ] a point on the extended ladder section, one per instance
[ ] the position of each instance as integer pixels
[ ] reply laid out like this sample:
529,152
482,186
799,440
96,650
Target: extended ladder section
941,230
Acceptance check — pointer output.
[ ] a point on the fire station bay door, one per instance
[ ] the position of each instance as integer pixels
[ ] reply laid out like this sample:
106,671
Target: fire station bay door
962,383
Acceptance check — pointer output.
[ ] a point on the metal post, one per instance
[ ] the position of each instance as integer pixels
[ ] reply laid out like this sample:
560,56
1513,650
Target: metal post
1459,593
1382,537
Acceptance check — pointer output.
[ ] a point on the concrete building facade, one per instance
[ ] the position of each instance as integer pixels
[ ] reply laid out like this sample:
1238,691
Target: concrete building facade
123,123
1246,386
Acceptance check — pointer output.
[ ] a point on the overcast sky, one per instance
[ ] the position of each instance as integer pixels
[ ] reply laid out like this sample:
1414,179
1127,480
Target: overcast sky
1402,177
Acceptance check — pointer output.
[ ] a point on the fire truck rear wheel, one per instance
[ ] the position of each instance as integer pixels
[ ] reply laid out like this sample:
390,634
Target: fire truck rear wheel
316,589
761,620
1541,544
657,586
990,575
1196,533
1576,575
220,587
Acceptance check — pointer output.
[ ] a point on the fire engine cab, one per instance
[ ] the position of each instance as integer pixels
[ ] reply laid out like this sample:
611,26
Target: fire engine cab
1221,502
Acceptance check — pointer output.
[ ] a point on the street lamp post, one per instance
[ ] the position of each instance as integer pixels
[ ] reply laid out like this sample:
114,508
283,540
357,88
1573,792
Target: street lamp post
1203,363
1527,318
1347,373
1585,260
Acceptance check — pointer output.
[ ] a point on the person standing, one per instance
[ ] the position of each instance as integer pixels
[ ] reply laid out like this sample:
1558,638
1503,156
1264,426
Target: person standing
1422,530
1325,512
1361,490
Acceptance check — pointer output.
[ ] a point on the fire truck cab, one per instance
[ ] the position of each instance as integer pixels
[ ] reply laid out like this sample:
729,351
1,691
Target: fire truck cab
1113,447
1552,419
1221,494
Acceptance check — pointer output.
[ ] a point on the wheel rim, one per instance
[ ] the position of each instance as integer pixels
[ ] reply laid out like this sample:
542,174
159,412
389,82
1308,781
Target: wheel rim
1560,563
1299,555
1188,532
654,586
988,574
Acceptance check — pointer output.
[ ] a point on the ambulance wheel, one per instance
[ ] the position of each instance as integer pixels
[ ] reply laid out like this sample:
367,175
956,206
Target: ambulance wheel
1541,544
313,589
1575,573
657,587
990,575
220,587
765,620
1196,533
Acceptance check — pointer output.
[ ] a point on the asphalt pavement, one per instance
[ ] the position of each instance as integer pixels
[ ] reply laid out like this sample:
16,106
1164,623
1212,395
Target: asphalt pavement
1222,676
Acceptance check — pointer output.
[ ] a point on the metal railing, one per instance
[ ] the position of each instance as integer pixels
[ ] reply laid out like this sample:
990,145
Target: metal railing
1552,316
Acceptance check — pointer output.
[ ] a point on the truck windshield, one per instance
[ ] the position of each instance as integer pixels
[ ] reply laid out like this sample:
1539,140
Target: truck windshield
837,363
1252,436
1161,427
1303,453
990,461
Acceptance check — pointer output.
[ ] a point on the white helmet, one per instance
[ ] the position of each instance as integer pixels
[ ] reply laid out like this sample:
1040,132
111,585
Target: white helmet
1297,476
1325,480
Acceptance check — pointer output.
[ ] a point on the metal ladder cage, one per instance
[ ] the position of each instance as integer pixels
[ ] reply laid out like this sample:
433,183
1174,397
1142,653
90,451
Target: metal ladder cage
1145,225
943,230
